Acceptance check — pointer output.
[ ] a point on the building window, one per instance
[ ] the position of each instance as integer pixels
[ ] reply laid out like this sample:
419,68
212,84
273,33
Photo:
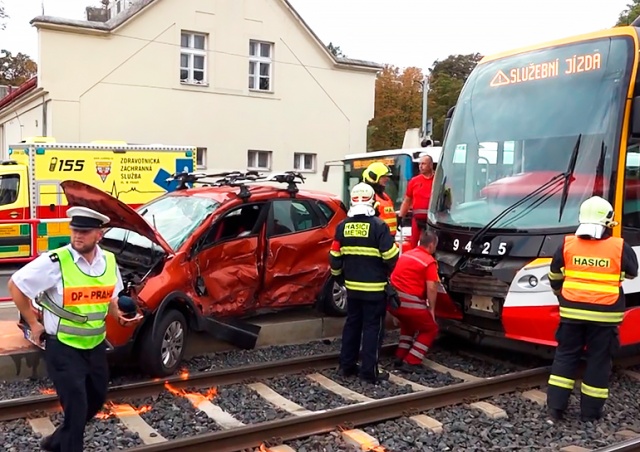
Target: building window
193,58
201,158
304,162
259,160
260,66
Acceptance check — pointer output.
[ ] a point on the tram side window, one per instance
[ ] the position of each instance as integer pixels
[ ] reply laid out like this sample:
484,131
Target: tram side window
631,204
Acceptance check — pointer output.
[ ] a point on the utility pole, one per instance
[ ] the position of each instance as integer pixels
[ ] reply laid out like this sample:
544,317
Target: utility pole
425,130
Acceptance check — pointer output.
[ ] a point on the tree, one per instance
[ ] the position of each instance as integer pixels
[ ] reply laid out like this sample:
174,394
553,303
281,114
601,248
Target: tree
15,70
398,107
336,51
629,14
3,16
446,80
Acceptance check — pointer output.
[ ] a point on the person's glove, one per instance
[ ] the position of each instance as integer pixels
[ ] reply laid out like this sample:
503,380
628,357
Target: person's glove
392,296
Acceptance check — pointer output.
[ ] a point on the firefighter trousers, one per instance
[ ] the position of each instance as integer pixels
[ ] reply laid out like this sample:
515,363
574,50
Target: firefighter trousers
418,224
364,324
418,330
600,342
81,379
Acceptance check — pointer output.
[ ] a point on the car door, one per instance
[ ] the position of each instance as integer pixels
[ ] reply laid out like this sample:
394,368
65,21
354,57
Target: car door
297,250
227,264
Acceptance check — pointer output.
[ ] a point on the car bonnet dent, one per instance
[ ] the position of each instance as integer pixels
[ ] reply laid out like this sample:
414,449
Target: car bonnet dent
121,215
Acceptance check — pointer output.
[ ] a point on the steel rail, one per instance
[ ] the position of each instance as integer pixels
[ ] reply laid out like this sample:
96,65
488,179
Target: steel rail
280,430
632,444
11,409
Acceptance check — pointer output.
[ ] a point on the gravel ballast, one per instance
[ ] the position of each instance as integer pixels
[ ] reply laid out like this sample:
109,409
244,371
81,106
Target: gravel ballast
175,416
427,377
246,405
375,391
331,442
527,427
306,393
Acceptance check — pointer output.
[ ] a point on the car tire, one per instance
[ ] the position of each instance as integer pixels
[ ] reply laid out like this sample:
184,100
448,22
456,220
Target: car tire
334,299
161,354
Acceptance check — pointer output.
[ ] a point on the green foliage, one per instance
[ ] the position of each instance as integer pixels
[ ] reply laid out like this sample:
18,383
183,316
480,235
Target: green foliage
16,69
3,16
629,14
446,80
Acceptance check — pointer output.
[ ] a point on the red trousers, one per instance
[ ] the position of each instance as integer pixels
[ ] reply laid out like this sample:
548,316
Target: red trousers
418,330
416,230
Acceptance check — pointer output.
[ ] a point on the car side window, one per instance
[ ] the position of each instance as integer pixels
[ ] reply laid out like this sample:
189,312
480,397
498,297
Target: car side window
289,216
237,223
326,210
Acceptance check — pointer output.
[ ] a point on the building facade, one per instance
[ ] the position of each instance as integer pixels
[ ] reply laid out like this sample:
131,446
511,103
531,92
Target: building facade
246,81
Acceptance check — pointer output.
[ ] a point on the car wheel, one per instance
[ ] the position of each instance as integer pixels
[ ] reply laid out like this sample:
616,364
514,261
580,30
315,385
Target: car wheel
161,354
335,299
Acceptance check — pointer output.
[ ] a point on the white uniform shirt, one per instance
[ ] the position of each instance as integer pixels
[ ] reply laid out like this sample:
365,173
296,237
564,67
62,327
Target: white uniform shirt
44,275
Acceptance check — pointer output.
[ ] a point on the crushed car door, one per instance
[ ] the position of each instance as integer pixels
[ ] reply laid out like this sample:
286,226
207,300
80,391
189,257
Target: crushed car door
228,263
297,250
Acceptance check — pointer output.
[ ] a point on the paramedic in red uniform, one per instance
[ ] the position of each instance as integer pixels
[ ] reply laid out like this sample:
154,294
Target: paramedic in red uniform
418,197
415,278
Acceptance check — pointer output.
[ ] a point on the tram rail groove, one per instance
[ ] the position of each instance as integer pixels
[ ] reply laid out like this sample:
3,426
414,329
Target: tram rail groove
12,409
251,436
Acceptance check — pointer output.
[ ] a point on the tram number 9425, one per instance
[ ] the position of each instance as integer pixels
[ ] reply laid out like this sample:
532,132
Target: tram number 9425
484,249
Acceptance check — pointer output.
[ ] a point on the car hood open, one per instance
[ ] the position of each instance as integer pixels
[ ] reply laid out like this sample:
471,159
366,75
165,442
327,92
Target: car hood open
121,215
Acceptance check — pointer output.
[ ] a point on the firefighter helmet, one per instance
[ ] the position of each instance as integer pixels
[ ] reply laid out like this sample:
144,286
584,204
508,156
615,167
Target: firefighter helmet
362,194
374,172
596,215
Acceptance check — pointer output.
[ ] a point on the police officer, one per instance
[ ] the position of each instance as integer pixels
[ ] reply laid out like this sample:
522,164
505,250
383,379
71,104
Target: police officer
415,279
362,257
77,286
586,275
377,175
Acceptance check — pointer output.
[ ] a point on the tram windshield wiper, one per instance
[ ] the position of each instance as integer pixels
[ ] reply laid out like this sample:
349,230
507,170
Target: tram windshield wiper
567,181
538,191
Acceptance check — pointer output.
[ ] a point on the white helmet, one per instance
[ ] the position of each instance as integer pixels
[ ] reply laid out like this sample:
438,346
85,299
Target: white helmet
596,214
362,195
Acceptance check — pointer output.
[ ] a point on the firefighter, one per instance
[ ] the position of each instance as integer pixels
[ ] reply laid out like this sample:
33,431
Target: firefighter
377,175
74,326
362,257
417,198
415,279
586,275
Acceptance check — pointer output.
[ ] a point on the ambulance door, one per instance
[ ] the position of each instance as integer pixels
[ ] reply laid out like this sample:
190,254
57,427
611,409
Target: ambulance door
14,192
227,264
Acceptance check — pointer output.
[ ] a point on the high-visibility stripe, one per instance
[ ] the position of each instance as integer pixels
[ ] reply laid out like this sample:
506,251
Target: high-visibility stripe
411,305
78,331
360,251
409,297
336,272
391,253
420,212
592,391
365,286
555,276
593,316
591,287
561,382
335,253
72,316
592,275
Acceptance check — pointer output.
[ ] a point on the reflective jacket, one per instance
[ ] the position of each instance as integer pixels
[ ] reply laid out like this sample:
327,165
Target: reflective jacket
85,299
409,277
386,211
587,276
363,253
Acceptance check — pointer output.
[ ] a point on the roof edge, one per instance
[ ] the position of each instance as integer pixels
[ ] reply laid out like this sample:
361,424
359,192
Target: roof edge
107,26
22,90
337,60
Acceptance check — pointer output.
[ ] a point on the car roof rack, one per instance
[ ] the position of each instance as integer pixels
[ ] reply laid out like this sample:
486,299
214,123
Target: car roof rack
238,179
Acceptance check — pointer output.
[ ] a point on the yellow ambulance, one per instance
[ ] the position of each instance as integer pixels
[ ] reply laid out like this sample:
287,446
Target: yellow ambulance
30,184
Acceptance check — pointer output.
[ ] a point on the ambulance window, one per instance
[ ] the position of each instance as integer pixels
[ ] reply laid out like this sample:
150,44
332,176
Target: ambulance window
9,184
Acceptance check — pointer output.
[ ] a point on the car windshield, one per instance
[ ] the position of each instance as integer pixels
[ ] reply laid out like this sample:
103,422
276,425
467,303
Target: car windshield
174,217
516,125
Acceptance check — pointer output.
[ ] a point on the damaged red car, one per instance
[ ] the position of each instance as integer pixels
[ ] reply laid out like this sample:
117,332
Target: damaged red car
207,258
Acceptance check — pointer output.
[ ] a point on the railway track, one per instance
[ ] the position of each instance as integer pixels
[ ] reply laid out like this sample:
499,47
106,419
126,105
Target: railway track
301,423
